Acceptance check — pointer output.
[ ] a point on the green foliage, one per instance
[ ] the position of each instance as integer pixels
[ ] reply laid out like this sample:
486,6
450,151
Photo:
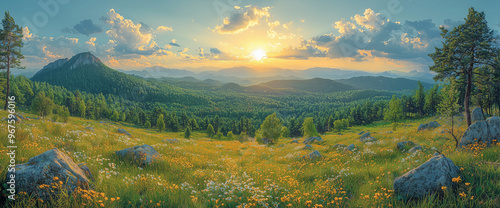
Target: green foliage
210,131
467,47
308,127
395,111
219,136
271,128
187,133
147,125
11,42
42,105
230,136
160,123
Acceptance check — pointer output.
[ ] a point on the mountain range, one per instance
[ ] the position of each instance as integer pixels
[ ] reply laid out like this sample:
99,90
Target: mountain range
85,72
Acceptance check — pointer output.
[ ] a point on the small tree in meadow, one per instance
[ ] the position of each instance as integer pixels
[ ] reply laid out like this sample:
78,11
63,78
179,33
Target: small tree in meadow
210,131
394,113
449,105
271,128
308,128
147,124
160,123
187,133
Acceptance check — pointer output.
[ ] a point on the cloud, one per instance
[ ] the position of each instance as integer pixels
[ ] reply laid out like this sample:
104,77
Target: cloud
201,52
129,37
371,35
85,27
242,19
162,28
215,51
173,43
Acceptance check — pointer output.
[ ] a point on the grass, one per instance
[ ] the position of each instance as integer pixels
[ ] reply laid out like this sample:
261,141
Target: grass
202,172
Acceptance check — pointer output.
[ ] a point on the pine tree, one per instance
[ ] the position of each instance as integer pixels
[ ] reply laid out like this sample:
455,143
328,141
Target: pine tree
160,123
308,128
187,133
11,42
395,112
271,128
210,131
147,125
465,48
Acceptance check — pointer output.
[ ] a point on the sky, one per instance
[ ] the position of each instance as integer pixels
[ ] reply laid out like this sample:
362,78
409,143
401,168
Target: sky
368,35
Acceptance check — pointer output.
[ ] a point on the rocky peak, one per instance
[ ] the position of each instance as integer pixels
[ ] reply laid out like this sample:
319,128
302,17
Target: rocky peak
83,59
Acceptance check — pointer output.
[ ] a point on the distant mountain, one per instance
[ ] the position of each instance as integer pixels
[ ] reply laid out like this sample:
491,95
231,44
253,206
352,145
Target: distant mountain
383,83
310,85
158,72
85,72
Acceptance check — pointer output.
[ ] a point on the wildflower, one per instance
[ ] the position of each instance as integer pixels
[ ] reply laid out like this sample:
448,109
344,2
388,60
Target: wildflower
456,180
461,169
41,200
60,182
472,198
158,204
443,188
102,205
117,198
463,194
467,184
55,178
113,199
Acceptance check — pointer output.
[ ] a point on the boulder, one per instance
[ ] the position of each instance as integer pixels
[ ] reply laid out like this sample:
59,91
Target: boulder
312,139
351,147
427,178
19,116
123,131
367,138
294,141
307,146
339,146
362,132
482,131
313,155
86,170
171,141
42,172
266,140
476,115
90,128
402,145
14,117
140,155
428,126
415,149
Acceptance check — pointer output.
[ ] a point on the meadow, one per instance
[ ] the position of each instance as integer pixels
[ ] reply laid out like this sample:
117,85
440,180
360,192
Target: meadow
203,172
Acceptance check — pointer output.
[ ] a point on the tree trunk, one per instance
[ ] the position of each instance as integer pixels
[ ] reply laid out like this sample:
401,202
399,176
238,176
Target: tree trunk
8,84
468,90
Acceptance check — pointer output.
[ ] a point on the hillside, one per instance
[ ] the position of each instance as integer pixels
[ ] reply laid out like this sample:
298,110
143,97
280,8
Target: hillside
383,83
310,85
204,172
85,72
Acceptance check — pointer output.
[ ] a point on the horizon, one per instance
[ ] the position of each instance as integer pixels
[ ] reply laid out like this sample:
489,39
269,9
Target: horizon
395,35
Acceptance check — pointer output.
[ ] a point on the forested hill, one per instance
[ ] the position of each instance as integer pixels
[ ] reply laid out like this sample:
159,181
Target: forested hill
310,85
85,72
383,83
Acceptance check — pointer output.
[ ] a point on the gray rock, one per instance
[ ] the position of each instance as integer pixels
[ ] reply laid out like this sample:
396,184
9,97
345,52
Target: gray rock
140,155
171,141
42,169
388,132
401,145
428,126
367,138
476,115
362,132
339,146
86,171
14,117
351,147
415,148
123,131
266,141
313,155
295,141
427,178
482,131
90,128
307,146
312,139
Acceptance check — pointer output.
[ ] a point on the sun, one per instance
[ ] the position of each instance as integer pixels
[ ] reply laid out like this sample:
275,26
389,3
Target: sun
258,55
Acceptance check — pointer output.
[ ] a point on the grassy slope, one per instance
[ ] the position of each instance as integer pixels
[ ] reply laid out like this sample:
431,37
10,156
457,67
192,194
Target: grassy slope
206,173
